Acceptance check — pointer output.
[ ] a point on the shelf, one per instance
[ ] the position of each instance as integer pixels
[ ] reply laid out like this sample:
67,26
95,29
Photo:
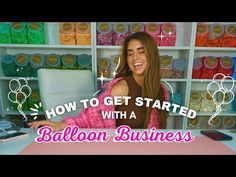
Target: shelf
10,78
216,48
108,47
45,46
159,47
168,80
174,80
210,80
221,114
172,48
105,79
173,114
26,112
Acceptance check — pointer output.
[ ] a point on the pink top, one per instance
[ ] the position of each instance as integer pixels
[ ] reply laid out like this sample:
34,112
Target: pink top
91,117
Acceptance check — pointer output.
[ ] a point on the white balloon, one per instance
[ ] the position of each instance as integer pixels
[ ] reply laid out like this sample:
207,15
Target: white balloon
27,88
210,87
11,95
17,85
227,83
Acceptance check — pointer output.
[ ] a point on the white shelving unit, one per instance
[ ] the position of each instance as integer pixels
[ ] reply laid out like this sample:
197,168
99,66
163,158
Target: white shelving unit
52,46
184,48
201,84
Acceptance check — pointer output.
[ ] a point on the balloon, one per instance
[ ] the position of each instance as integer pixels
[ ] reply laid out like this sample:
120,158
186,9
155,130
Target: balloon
12,96
217,102
14,85
214,77
20,98
26,89
23,81
227,83
231,98
211,86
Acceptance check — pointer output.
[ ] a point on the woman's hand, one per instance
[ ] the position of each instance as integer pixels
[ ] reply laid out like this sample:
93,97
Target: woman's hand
56,126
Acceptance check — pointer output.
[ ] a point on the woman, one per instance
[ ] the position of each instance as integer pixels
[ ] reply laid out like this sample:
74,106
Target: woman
138,76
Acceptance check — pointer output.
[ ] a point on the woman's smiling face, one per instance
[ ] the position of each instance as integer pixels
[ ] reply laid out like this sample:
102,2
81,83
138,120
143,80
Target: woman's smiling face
136,57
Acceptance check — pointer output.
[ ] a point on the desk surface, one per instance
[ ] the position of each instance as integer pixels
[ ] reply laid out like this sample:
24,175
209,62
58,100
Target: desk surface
200,146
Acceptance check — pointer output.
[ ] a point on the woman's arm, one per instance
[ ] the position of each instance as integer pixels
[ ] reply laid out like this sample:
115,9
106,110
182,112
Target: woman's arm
56,126
90,115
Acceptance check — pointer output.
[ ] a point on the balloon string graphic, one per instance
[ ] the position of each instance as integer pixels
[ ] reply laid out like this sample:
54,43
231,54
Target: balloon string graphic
218,110
19,108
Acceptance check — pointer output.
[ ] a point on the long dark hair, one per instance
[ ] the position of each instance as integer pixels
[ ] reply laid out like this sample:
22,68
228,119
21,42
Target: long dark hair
152,80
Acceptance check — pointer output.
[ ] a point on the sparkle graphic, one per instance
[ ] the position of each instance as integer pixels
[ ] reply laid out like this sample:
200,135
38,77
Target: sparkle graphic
114,73
161,36
35,114
101,78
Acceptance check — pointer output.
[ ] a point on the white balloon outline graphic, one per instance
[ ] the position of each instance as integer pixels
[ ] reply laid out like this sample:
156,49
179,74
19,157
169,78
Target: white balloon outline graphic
221,89
18,90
